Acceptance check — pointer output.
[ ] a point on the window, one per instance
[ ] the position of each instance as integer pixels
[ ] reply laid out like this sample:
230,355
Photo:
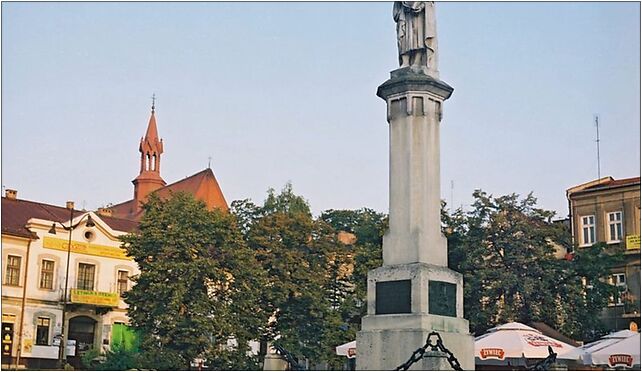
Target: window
618,280
13,270
86,276
615,226
46,274
588,230
42,331
123,281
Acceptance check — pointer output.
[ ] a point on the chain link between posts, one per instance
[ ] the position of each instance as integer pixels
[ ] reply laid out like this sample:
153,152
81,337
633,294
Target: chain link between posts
437,346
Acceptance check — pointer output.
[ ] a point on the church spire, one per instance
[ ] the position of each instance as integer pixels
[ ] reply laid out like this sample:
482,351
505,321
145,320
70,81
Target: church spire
151,148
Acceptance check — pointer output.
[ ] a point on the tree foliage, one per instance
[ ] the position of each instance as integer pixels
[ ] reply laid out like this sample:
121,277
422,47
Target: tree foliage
369,227
211,281
505,248
198,285
309,290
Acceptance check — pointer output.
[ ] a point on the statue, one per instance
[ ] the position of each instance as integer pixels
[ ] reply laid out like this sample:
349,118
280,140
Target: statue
416,34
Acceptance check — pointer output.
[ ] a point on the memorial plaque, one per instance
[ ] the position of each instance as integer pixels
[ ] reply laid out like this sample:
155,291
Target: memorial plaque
442,298
393,297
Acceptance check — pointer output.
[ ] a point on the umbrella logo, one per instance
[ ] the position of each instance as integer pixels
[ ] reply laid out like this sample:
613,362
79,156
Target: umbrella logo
537,340
492,353
616,360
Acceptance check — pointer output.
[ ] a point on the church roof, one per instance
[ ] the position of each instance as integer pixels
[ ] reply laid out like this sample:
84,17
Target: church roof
151,142
16,213
152,131
202,185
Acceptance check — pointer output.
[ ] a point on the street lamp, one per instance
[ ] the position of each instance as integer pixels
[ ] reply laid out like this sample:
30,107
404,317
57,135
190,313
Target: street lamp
90,223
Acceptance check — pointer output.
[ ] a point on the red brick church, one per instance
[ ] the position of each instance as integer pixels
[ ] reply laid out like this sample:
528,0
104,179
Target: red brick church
203,185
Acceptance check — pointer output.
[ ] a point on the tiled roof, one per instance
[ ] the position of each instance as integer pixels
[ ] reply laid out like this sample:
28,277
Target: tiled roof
203,185
16,213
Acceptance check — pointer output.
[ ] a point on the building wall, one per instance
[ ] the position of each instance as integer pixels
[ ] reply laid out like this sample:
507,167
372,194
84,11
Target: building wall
600,203
97,245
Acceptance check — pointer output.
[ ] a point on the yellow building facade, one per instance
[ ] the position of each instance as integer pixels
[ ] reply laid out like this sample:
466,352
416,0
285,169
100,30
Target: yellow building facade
608,211
35,248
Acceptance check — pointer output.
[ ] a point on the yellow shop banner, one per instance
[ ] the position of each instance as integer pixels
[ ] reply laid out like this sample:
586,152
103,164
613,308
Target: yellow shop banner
85,248
633,242
81,296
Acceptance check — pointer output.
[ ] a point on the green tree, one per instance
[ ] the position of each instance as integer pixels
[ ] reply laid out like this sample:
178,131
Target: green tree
119,359
198,285
505,248
304,262
369,227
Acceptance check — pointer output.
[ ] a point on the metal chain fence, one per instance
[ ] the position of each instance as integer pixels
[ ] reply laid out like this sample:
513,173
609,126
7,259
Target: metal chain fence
437,346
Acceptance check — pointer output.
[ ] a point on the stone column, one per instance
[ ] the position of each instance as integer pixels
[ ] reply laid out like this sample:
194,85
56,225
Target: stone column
414,292
414,102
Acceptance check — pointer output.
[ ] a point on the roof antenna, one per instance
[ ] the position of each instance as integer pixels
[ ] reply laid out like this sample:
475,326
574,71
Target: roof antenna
597,141
153,102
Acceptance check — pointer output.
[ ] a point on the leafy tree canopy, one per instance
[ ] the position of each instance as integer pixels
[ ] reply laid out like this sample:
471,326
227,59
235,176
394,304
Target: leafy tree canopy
505,248
199,284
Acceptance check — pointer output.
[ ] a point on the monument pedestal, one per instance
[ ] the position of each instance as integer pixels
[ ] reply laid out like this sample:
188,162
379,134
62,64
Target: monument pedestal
414,293
405,303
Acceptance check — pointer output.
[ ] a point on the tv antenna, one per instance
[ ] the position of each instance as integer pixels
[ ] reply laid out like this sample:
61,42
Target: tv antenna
597,141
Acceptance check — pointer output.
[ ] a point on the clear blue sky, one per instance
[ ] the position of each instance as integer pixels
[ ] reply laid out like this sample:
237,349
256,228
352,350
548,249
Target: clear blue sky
278,92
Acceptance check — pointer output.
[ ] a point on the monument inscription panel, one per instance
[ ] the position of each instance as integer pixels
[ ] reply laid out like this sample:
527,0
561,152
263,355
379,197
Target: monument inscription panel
442,298
393,297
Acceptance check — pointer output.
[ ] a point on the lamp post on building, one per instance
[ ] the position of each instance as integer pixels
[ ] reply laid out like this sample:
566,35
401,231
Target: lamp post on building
62,353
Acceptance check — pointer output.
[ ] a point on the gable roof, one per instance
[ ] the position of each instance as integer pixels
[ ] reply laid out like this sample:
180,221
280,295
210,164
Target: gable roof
202,185
16,213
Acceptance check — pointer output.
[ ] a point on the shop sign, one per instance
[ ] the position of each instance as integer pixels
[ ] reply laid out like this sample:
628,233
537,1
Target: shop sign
27,345
8,318
620,360
633,242
492,353
85,248
7,338
81,296
71,347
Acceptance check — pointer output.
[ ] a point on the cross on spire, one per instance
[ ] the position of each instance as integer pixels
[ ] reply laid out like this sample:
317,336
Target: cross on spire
153,102
209,162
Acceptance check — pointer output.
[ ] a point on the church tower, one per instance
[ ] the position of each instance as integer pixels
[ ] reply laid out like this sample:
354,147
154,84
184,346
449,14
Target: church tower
151,148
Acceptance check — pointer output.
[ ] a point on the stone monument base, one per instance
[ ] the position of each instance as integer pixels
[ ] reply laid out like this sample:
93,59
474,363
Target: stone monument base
407,302
387,349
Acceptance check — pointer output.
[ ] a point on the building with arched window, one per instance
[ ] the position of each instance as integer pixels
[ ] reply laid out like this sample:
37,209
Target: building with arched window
39,263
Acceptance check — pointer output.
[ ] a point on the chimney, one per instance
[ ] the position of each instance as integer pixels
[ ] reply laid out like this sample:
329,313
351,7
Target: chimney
106,212
11,194
70,204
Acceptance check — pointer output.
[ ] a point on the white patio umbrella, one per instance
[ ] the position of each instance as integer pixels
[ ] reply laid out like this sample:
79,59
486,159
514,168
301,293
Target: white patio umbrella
514,343
348,349
583,353
624,353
